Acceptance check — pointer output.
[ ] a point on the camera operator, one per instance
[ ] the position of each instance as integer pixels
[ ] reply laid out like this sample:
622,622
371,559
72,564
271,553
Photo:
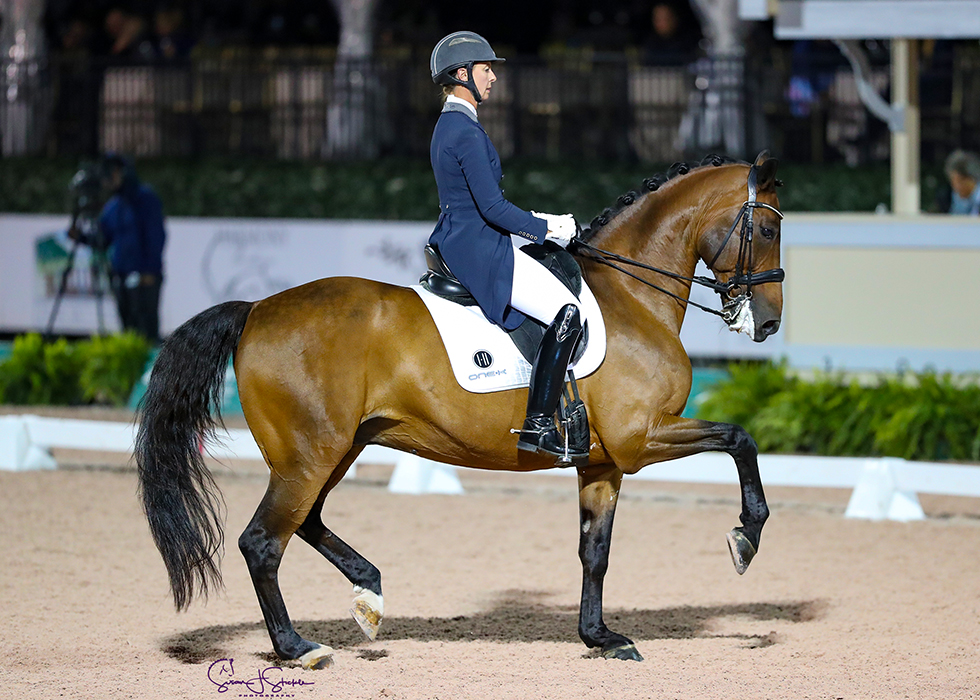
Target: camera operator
131,225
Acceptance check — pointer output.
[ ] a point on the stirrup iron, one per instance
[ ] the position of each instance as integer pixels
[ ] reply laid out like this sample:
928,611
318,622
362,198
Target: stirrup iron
571,435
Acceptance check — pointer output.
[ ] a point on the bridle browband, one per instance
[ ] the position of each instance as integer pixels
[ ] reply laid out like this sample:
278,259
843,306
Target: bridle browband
739,286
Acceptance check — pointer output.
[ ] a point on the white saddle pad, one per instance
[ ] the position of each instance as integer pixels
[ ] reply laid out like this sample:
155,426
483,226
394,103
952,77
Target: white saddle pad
485,359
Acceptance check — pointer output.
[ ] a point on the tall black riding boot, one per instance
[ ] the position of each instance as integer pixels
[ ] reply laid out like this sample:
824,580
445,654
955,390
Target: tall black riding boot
539,433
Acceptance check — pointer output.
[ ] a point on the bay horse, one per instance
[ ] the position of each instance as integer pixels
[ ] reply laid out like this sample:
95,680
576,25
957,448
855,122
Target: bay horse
328,367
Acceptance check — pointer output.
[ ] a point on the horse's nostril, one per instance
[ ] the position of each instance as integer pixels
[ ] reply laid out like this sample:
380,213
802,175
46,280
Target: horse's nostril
770,327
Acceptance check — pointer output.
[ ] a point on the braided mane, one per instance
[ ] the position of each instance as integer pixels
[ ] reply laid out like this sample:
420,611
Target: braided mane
650,184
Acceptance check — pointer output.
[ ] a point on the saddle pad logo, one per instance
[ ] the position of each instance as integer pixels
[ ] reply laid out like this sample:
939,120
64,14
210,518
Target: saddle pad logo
482,359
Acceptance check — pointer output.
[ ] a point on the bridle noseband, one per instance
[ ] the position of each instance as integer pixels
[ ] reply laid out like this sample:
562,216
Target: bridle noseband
737,289
744,277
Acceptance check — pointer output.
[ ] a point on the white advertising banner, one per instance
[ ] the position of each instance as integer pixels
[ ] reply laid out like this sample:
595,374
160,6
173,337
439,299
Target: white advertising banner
848,302
209,261
206,261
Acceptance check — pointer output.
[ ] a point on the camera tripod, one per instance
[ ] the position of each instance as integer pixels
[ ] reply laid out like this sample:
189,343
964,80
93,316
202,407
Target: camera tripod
90,232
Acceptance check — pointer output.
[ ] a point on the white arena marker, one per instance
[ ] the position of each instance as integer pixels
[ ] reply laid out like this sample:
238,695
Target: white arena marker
415,475
877,497
883,487
17,451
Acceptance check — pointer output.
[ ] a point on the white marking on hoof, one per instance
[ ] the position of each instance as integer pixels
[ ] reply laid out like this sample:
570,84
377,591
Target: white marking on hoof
314,659
367,610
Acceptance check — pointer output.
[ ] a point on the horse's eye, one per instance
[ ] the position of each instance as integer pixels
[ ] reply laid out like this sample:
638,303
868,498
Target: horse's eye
768,232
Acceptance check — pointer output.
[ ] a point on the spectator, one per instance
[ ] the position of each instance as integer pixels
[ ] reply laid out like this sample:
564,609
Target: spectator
75,37
672,43
814,65
132,223
170,40
963,173
126,33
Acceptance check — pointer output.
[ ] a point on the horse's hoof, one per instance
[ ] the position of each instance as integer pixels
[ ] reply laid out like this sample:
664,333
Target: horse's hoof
367,610
627,652
741,549
317,658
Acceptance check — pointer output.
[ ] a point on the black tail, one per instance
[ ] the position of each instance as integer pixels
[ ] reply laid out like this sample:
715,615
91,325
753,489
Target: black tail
181,501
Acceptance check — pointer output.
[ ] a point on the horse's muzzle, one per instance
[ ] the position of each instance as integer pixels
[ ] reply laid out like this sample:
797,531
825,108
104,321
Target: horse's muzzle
765,330
743,316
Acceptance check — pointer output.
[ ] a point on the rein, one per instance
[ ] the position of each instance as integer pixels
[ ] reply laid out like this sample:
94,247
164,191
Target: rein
737,288
605,258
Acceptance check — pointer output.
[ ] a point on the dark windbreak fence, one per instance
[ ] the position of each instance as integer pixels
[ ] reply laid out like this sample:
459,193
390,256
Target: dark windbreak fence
308,110
587,106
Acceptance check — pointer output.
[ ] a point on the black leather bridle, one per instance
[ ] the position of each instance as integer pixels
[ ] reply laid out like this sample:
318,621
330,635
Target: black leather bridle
737,289
744,277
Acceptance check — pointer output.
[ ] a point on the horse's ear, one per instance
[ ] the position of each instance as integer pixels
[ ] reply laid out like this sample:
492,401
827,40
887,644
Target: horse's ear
766,170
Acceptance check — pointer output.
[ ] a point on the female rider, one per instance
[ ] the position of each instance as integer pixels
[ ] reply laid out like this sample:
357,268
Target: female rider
474,232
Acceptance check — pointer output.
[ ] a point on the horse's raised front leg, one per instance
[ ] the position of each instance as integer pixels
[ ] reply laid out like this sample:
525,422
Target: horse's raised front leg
675,437
368,606
598,493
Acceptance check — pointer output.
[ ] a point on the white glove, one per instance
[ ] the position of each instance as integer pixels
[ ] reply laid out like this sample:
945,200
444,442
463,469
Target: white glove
561,227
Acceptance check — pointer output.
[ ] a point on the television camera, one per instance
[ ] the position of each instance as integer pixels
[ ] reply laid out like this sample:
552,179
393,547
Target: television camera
88,192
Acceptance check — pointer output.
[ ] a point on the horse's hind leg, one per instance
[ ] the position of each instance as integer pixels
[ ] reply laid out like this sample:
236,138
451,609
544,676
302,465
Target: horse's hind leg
368,606
283,509
677,437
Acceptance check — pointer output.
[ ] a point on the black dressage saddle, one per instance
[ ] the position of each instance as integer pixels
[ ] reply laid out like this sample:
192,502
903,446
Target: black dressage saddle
443,283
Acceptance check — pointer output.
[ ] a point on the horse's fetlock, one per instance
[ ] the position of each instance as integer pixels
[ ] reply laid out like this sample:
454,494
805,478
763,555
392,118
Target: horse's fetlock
293,647
589,637
371,579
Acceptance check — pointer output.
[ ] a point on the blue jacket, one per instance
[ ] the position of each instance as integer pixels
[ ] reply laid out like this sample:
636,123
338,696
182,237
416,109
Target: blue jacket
966,205
132,223
474,218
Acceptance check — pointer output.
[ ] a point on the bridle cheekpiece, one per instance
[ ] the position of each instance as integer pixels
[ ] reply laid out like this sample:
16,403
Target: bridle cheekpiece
738,288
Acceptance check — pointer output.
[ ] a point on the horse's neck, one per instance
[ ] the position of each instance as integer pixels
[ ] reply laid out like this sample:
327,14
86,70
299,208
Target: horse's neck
658,230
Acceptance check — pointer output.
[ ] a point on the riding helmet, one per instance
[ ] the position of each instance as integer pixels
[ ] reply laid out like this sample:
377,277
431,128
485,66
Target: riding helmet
460,50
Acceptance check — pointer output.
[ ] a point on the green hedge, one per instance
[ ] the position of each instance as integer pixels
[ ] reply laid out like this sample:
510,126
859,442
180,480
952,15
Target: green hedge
924,416
405,189
101,370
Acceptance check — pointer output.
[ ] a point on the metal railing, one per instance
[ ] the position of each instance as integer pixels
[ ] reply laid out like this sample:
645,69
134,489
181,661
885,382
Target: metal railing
577,106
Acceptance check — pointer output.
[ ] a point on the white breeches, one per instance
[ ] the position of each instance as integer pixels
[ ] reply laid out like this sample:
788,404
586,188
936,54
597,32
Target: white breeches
536,292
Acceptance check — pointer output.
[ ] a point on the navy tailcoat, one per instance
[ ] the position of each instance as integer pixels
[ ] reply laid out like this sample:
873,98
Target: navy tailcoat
474,218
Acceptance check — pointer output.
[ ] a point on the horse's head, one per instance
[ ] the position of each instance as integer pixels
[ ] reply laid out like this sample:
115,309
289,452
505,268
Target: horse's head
740,244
